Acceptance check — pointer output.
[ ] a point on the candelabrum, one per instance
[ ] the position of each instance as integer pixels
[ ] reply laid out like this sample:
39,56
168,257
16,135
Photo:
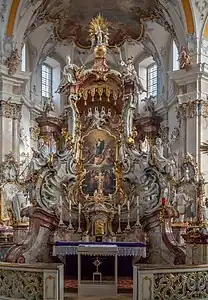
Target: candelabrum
61,223
119,219
70,227
128,227
138,224
162,211
79,230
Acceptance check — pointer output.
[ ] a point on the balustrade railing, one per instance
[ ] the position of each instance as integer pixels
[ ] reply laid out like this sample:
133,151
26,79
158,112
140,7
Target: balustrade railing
31,282
154,282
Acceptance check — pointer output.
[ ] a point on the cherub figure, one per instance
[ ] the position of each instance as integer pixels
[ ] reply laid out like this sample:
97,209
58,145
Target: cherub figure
185,61
13,62
48,106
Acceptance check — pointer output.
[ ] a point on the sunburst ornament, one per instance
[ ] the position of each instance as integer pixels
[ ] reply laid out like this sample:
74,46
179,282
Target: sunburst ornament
98,31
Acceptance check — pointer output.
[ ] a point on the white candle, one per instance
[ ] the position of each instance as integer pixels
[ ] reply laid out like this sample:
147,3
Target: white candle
70,205
137,201
79,208
119,209
60,200
128,205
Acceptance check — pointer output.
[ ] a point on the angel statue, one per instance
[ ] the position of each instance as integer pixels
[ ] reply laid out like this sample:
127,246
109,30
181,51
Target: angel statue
129,73
71,73
98,31
98,119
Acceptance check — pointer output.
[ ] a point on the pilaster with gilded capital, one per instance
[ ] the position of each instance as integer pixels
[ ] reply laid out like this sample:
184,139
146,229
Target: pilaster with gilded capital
10,115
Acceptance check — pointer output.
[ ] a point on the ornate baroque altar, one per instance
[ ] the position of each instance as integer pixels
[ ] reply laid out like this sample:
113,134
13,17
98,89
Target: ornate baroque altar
100,175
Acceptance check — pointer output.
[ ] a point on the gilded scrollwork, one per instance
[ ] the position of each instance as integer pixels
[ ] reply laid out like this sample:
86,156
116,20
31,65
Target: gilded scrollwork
34,133
180,285
10,110
21,284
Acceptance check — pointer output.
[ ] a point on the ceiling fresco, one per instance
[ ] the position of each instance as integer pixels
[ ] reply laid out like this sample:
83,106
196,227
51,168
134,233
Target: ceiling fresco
70,19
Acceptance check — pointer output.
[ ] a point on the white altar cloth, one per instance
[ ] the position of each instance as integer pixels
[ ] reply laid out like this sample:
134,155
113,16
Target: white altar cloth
122,251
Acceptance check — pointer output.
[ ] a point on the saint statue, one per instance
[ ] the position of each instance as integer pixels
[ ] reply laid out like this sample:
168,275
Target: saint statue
70,74
157,155
181,202
129,73
40,157
18,203
99,36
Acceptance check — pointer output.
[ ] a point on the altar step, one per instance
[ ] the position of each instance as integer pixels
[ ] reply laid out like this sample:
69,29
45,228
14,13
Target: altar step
125,285
119,297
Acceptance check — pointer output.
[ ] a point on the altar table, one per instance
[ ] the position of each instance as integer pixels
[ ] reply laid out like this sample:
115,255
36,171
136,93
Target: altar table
63,248
115,249
97,249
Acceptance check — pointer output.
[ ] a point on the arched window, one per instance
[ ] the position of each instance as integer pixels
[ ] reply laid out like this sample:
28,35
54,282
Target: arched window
47,79
23,58
175,57
50,79
152,80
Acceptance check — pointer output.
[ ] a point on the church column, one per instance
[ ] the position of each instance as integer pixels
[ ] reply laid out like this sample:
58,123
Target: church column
10,115
11,91
189,99
16,130
193,114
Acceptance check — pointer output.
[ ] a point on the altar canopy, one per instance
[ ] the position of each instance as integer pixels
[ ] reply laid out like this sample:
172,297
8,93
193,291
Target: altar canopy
124,249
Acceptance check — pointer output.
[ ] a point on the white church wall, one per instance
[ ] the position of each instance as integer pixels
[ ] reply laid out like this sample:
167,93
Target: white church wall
191,136
172,123
204,157
6,132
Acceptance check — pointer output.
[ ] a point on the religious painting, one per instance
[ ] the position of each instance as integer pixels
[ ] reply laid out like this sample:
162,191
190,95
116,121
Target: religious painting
99,149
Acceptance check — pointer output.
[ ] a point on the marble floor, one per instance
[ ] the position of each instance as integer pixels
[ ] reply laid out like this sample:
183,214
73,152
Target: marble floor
119,297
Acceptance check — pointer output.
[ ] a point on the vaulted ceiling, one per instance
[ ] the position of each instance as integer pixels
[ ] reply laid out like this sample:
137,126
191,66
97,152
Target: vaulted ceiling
57,28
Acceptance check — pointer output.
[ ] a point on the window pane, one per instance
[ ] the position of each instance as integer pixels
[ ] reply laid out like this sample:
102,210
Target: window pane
23,59
175,57
46,81
152,80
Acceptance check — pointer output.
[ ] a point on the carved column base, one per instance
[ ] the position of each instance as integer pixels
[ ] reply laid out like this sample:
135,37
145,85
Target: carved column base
36,246
20,232
196,246
136,234
178,231
162,245
62,234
